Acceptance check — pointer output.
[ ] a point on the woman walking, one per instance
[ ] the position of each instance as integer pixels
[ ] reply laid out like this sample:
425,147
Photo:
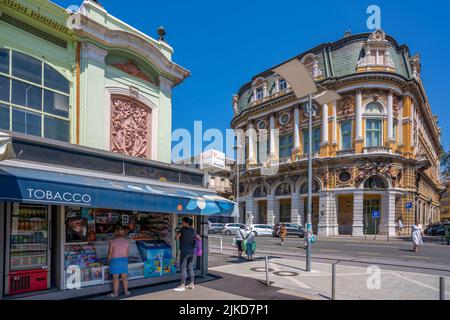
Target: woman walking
283,233
250,245
239,239
118,261
416,235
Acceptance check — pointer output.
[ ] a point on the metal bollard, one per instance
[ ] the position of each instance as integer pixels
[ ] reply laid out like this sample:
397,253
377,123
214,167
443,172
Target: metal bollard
333,281
267,271
221,245
441,288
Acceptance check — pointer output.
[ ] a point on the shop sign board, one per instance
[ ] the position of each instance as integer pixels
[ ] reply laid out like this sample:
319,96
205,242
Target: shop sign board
212,159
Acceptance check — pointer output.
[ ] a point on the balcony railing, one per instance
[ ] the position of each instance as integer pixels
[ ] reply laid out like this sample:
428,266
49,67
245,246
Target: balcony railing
376,149
345,152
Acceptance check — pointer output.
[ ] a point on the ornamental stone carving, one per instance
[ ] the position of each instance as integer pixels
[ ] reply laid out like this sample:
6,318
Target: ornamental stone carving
130,127
132,68
396,110
346,106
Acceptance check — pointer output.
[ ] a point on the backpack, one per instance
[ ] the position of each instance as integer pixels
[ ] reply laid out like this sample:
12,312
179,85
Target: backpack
198,247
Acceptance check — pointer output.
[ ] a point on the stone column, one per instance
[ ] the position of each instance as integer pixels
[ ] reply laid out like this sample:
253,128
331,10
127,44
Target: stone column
273,139
400,122
271,209
390,115
301,210
327,214
240,141
277,83
358,205
249,210
387,223
325,124
358,107
295,208
251,143
359,139
334,132
93,104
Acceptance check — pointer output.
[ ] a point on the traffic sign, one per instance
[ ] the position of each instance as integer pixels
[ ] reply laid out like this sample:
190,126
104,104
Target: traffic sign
375,214
409,205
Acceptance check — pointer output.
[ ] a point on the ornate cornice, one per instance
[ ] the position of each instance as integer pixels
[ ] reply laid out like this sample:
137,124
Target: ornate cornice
87,28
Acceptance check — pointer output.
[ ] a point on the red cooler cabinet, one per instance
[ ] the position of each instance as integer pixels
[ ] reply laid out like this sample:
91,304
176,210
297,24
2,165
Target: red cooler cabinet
27,281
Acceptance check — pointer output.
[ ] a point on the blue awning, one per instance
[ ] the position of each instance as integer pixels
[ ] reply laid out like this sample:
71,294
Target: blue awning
28,183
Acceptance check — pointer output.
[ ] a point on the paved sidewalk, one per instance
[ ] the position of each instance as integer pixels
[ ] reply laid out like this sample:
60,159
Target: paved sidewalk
216,286
352,282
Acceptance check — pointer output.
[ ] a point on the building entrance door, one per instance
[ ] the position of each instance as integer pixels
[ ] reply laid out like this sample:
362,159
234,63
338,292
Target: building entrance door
262,212
371,225
285,210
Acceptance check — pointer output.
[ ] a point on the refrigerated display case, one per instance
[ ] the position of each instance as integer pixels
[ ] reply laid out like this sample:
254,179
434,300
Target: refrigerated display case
28,249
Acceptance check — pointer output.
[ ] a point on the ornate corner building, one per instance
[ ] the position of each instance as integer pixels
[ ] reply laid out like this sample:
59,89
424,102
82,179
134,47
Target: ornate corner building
377,149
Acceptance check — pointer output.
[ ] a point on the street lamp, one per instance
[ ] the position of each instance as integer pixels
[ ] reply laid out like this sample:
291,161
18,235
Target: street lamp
303,85
237,147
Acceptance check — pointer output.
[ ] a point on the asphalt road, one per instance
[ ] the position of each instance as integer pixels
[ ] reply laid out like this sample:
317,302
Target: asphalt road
396,249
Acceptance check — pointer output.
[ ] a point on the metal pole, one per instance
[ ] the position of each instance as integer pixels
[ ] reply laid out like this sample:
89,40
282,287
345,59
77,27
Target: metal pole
442,288
221,245
237,177
333,281
309,218
267,271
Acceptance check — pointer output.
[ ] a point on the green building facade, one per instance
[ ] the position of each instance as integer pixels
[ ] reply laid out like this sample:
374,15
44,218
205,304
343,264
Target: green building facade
85,77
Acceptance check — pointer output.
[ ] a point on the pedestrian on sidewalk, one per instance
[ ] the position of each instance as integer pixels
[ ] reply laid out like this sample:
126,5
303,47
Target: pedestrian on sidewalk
187,239
118,261
399,226
416,235
250,244
283,233
239,240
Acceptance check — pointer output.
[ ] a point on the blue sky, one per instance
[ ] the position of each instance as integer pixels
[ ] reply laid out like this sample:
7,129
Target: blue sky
225,43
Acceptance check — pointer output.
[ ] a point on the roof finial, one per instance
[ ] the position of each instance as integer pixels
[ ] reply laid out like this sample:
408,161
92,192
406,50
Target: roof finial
161,33
347,33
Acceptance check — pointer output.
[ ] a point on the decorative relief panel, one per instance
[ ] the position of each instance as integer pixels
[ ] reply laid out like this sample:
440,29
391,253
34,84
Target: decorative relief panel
132,68
346,106
130,127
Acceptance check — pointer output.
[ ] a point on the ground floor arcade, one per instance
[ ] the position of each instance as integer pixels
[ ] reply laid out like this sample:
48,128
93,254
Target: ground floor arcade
342,212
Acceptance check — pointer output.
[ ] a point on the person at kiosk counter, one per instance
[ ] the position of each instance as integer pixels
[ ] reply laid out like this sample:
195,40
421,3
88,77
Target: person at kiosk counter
118,261
187,239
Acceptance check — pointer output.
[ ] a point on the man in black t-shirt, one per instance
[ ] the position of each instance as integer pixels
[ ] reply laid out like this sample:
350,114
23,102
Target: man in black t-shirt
186,237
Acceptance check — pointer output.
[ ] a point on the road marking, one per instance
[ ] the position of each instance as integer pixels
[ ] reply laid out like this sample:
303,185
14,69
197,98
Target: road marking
417,257
417,282
369,253
369,245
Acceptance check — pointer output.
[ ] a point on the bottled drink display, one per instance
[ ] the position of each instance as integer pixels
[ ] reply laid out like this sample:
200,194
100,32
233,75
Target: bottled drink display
28,241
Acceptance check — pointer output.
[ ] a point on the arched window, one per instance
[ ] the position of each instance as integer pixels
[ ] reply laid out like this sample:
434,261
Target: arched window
315,187
374,108
260,192
375,183
283,189
34,97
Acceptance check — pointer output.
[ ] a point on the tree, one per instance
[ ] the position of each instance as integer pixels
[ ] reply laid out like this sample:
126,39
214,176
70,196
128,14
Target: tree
445,164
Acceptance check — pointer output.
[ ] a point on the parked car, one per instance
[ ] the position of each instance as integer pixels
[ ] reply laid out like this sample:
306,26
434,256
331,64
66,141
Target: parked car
214,228
437,229
293,229
232,228
262,229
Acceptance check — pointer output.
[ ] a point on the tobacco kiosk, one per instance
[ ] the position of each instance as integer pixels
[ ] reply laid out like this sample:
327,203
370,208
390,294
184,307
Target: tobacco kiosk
61,203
